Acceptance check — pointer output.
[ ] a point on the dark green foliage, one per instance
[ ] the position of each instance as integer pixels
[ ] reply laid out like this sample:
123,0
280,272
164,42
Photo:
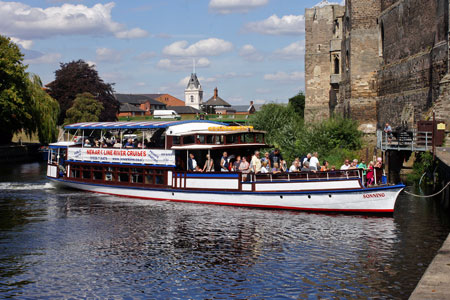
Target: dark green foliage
335,139
85,109
78,77
423,163
23,102
15,109
298,103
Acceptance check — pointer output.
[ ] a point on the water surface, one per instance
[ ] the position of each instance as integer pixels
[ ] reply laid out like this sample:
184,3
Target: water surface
69,244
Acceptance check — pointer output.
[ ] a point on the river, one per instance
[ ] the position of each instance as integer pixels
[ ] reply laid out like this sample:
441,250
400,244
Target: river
58,243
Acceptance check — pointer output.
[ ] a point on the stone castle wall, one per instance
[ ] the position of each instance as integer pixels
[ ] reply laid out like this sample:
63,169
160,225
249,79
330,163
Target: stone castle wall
414,37
319,34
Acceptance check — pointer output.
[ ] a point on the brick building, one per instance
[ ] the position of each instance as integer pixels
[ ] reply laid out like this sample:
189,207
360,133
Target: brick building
394,61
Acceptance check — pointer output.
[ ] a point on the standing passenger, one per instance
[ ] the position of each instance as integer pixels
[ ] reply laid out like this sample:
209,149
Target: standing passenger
192,163
209,164
275,157
224,162
314,163
256,163
236,164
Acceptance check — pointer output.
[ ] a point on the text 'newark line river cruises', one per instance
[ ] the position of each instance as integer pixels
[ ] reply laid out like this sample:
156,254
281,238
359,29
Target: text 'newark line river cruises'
187,161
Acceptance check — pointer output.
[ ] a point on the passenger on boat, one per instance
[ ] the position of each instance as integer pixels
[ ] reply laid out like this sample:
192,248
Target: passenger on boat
224,162
265,167
275,157
305,167
87,143
314,163
236,164
324,166
129,143
346,165
266,158
306,159
256,163
209,164
370,177
379,163
96,143
244,167
333,168
192,163
354,164
283,166
294,166
276,168
362,165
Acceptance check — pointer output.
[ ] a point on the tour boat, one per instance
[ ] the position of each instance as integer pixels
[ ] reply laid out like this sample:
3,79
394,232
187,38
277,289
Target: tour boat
153,165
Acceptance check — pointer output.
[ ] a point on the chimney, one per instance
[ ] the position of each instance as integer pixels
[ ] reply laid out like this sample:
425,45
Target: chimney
216,93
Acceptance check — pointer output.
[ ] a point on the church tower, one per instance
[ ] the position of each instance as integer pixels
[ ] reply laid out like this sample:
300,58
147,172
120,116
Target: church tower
193,94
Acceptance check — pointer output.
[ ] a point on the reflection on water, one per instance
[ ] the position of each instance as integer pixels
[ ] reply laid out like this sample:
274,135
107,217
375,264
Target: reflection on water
62,243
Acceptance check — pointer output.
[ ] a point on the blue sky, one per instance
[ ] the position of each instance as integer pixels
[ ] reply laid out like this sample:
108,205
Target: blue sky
249,49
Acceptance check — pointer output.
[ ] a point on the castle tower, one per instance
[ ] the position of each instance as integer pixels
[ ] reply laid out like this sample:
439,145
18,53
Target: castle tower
193,94
323,37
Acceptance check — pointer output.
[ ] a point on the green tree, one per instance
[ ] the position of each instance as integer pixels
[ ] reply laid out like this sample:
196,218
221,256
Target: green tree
15,108
45,113
77,77
85,108
298,103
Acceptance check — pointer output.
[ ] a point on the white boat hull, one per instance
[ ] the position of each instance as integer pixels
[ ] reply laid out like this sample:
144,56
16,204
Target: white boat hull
375,200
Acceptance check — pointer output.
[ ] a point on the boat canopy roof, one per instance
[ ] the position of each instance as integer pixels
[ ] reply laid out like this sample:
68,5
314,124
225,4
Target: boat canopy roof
136,125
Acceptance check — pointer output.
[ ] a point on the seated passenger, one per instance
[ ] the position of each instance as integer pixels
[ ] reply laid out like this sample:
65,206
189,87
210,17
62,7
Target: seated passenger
346,165
96,143
294,166
129,144
305,167
87,143
324,166
265,168
276,168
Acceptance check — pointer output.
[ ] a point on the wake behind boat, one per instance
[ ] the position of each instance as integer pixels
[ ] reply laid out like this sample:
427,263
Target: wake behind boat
149,160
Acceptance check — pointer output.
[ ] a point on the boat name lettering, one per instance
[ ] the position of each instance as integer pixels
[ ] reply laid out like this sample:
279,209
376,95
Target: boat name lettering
375,195
116,152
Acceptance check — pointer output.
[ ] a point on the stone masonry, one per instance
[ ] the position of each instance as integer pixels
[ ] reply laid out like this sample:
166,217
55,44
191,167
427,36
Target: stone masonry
323,26
394,61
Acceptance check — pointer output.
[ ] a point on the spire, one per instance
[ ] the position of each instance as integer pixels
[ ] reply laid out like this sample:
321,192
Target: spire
193,81
193,65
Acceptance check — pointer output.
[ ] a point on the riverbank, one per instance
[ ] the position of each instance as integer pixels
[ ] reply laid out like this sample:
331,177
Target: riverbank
435,283
25,152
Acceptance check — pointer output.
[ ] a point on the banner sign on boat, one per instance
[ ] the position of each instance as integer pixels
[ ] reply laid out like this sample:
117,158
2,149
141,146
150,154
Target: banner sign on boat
131,156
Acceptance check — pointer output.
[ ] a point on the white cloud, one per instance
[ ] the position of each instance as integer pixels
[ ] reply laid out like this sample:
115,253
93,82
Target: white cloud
262,90
181,63
248,52
286,25
107,54
295,50
26,22
46,58
26,44
208,47
283,76
115,76
235,6
91,63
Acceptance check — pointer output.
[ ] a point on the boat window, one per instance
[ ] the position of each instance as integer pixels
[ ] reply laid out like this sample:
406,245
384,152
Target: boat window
97,173
210,139
247,138
231,139
124,176
200,139
259,138
176,140
188,139
137,175
219,139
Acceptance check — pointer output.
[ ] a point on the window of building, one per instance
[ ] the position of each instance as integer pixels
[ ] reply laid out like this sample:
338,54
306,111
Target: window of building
188,139
336,64
192,98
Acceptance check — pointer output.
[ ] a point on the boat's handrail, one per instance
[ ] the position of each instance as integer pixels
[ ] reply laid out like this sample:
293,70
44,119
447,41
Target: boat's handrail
289,176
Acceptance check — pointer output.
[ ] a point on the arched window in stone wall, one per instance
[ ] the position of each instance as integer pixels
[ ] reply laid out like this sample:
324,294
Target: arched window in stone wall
336,64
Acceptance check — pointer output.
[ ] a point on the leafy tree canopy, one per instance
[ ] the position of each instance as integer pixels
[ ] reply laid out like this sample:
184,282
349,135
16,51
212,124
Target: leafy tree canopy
298,103
23,102
77,77
85,108
335,139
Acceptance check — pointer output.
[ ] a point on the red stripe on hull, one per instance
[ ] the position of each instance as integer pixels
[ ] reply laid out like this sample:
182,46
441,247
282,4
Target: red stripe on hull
253,205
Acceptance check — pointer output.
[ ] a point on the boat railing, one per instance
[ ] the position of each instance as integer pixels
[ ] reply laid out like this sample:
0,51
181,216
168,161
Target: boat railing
308,176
